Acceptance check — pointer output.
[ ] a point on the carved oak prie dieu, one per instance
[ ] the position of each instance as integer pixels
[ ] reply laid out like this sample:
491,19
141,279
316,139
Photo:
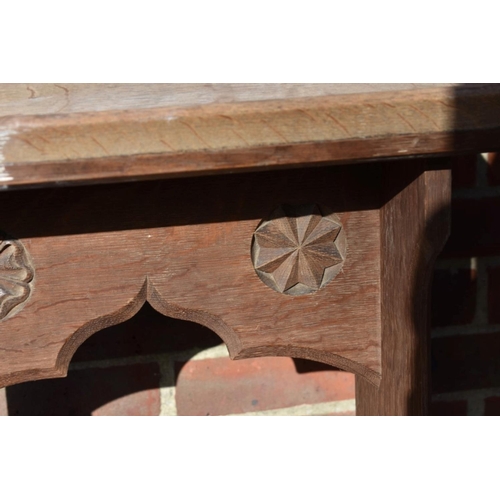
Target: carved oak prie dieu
184,245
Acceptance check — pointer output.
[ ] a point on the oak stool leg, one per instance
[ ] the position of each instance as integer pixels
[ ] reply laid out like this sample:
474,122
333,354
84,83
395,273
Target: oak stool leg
415,223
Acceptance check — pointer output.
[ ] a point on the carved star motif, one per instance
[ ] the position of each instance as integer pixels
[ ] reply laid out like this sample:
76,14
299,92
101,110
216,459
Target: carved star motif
16,275
299,249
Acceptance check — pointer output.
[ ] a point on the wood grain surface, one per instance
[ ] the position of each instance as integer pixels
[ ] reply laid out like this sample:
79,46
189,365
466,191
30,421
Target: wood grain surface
184,245
415,223
59,134
67,98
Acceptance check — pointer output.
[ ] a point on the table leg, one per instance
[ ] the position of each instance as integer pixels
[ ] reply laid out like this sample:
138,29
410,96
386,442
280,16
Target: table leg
414,227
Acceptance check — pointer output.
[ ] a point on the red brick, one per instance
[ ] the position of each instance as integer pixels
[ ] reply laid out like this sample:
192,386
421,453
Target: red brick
475,228
148,332
449,408
453,297
118,390
221,386
463,171
494,169
494,294
492,406
466,362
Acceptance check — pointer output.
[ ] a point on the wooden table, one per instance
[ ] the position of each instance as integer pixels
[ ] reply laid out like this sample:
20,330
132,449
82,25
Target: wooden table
292,220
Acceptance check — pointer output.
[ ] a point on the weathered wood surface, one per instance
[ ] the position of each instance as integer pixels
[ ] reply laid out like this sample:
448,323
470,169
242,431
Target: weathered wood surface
184,245
89,135
415,224
67,98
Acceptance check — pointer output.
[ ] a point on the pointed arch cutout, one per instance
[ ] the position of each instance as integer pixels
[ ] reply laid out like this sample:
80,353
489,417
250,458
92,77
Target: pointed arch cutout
237,349
149,294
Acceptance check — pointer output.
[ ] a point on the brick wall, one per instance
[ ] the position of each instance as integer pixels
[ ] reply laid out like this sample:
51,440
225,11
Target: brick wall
466,295
152,365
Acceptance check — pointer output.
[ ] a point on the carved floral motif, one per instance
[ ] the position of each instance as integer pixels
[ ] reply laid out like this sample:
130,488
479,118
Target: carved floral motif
16,275
299,249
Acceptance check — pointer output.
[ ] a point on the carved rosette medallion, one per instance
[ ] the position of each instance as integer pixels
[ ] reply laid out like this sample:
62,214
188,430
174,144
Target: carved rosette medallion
299,248
16,276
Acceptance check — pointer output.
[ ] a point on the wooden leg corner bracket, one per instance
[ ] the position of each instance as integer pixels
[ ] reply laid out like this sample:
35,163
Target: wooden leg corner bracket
331,264
415,224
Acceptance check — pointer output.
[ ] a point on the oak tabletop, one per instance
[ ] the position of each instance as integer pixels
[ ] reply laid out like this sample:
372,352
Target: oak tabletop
55,134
